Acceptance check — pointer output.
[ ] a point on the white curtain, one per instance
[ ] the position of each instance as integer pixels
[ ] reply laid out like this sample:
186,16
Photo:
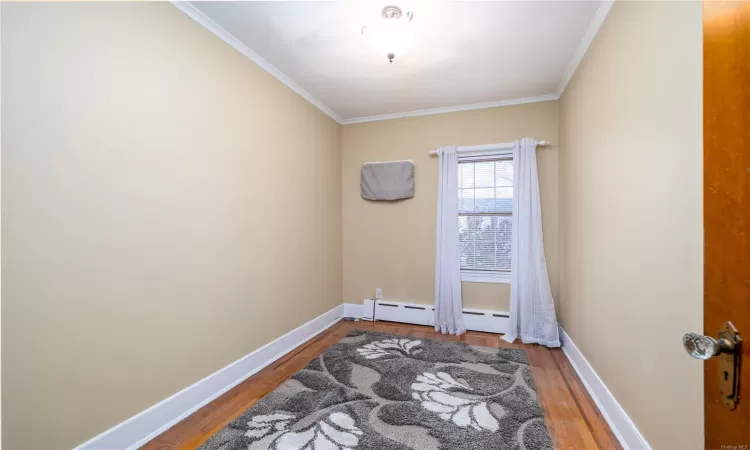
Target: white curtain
448,306
532,311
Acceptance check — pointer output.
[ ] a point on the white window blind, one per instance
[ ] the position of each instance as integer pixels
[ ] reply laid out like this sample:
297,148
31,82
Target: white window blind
485,196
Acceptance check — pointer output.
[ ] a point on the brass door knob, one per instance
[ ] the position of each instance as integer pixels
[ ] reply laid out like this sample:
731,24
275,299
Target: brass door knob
705,347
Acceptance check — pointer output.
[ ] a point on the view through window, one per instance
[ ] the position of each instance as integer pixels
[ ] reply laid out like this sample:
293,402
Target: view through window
485,193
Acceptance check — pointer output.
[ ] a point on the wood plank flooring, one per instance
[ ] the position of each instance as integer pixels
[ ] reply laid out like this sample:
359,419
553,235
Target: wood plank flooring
573,420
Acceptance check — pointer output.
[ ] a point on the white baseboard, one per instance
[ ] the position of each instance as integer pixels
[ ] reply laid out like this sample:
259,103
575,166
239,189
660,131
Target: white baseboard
146,425
353,310
421,314
619,421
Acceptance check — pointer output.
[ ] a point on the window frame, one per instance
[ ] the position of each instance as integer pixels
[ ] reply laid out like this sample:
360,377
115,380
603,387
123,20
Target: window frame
486,276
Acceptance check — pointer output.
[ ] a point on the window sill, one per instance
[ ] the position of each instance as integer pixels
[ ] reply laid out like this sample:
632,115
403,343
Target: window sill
485,277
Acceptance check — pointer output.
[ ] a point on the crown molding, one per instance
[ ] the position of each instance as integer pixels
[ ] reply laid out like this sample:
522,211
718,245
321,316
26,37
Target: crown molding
450,109
583,46
230,39
191,11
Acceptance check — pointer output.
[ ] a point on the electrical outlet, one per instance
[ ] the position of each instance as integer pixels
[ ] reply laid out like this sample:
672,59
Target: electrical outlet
378,293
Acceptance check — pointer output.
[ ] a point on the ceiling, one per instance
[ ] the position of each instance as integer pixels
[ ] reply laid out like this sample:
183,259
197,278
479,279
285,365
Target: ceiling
466,55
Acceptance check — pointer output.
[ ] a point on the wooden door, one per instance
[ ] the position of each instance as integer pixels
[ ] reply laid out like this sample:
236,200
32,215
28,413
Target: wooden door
726,209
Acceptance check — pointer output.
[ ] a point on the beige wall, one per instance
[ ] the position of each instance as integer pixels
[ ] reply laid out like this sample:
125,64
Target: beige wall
168,207
392,245
631,214
138,256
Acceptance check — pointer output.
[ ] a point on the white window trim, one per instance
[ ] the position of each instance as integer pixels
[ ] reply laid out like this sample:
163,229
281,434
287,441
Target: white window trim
484,151
468,155
485,276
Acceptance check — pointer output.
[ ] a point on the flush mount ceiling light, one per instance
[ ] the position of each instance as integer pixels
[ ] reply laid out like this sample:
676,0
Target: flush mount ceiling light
392,35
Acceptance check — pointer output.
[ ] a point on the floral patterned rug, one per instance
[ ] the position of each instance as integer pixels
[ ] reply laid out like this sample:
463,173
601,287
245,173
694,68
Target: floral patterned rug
378,391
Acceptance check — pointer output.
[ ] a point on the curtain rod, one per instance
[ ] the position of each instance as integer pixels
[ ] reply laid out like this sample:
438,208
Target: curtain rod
503,146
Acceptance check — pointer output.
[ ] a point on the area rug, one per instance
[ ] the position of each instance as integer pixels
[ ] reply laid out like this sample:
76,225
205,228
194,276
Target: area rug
375,391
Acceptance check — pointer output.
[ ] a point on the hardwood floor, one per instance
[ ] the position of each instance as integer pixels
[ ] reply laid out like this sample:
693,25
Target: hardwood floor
571,416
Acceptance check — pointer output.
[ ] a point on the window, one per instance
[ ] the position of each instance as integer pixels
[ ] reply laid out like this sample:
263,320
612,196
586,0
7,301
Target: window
485,217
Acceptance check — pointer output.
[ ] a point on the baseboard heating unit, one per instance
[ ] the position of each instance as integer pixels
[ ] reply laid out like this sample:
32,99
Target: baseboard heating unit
474,319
